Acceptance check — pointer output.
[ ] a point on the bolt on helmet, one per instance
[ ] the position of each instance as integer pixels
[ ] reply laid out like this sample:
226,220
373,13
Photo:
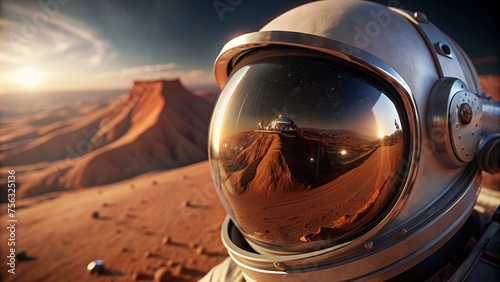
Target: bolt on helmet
343,141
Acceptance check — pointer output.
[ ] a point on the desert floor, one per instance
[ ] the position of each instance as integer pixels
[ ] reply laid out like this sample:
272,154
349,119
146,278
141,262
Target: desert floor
168,218
125,225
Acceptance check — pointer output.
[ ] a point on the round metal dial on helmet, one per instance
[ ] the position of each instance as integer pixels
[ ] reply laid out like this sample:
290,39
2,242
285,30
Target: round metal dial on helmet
466,123
454,121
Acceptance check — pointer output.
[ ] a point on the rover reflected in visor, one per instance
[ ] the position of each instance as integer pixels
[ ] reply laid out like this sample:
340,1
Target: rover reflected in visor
337,174
283,124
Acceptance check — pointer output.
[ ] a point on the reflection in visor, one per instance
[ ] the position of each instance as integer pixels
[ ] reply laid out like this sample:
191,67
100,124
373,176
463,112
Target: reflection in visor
305,152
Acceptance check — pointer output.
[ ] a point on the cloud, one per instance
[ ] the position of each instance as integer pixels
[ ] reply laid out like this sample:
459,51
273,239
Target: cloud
151,69
123,77
72,54
36,33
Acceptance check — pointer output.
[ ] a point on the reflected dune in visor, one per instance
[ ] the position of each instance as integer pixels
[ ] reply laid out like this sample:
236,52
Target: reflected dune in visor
284,189
318,174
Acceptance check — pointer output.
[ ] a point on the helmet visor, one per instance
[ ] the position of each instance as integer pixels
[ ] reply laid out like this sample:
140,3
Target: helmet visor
307,152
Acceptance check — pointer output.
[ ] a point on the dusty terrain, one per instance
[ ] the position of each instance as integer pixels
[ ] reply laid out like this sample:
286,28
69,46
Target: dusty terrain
52,146
136,221
124,224
151,127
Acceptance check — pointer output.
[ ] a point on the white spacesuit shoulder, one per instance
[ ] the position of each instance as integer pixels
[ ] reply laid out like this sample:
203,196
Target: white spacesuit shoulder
225,271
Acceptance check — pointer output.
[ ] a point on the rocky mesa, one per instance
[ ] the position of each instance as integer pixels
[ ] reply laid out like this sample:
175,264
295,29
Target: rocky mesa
157,125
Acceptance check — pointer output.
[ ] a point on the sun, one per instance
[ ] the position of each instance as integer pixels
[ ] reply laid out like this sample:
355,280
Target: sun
380,134
27,77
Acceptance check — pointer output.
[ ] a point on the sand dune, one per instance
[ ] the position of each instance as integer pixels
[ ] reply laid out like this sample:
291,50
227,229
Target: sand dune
52,146
342,204
274,164
156,125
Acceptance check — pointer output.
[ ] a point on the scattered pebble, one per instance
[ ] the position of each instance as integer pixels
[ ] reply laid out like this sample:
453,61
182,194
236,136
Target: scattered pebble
185,203
148,254
185,176
162,275
192,245
120,222
136,276
95,214
155,182
132,186
22,256
178,270
166,240
200,250
170,263
104,205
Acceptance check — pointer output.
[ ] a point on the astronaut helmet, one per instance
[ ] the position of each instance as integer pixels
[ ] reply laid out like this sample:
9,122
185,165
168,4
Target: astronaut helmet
343,143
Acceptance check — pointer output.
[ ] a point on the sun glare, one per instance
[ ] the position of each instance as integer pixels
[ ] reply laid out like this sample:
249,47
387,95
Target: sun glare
380,134
27,77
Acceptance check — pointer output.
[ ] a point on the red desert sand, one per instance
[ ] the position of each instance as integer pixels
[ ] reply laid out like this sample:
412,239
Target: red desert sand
149,203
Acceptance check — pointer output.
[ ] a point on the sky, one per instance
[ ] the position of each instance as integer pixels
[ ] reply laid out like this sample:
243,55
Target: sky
313,93
70,45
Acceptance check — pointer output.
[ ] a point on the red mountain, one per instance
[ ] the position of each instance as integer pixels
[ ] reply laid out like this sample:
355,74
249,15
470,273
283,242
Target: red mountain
275,164
156,125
